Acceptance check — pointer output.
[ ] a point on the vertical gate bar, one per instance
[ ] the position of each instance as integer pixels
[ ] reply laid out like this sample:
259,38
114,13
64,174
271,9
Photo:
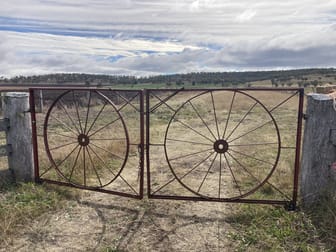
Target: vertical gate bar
147,92
34,136
141,144
298,148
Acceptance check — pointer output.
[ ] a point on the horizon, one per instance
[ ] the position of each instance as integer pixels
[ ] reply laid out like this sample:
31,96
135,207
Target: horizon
165,75
149,38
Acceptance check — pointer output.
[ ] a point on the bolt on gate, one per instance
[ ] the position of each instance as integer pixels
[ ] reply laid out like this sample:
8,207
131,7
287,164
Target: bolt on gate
223,145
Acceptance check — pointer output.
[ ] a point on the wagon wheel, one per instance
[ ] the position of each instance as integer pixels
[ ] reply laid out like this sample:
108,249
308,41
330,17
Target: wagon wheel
222,144
85,138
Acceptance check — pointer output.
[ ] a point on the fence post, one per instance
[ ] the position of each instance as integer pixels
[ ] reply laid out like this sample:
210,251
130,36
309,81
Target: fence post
19,136
318,168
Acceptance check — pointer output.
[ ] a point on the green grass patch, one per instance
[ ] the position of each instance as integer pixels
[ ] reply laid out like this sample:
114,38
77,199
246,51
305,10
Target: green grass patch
268,228
21,203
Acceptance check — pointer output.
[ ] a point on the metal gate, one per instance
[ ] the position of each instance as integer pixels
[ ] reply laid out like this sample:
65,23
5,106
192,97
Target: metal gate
89,138
225,145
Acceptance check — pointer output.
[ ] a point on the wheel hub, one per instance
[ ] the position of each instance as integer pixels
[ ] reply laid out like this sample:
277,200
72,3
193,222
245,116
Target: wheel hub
83,140
221,146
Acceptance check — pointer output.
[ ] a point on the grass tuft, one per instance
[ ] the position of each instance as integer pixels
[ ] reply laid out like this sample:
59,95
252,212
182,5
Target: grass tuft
21,203
260,228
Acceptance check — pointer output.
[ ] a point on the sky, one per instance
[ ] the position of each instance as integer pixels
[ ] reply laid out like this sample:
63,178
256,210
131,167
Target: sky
153,37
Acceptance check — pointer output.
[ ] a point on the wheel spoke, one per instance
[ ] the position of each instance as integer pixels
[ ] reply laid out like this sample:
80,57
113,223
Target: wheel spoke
63,145
107,151
213,161
259,127
191,154
66,112
75,162
77,112
108,168
244,167
107,139
187,126
229,115
84,166
93,166
232,174
56,133
220,175
192,169
100,129
249,156
87,113
256,179
241,120
94,121
57,165
185,141
64,124
215,114
253,144
200,117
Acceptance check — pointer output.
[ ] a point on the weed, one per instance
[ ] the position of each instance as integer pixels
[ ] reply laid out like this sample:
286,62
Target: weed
20,203
323,216
275,229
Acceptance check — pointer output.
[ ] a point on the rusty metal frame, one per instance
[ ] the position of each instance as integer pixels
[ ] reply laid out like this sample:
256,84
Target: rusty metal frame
290,204
145,109
138,193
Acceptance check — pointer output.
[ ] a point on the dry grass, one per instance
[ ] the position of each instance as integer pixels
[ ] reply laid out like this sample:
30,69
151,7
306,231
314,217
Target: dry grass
20,204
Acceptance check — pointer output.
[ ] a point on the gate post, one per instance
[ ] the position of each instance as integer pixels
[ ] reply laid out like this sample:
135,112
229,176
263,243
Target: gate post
318,169
19,136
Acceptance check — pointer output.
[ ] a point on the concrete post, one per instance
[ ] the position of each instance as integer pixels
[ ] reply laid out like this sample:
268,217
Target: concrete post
19,136
318,168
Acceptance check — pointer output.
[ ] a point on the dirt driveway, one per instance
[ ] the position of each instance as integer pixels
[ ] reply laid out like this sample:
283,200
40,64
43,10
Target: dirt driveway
100,222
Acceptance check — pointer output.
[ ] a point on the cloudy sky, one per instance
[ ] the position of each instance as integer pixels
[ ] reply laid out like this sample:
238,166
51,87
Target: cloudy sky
163,37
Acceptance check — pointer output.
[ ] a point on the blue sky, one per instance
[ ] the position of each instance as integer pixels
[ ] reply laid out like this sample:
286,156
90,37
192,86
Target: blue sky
159,37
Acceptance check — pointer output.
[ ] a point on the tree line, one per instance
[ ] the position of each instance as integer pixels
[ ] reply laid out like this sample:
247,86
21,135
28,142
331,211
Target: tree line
277,78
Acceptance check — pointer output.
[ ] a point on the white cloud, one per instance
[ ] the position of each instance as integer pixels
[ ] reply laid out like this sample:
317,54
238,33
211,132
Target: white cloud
151,36
246,16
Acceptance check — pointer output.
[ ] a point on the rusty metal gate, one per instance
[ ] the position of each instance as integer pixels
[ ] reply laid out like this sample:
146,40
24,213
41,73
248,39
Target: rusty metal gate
225,145
90,139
